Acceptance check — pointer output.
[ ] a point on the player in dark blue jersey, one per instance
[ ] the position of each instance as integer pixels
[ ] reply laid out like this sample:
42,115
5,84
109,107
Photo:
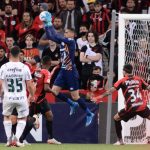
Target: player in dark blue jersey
68,75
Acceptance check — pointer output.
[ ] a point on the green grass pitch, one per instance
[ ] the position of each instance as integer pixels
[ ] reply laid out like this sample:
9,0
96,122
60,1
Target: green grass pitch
77,147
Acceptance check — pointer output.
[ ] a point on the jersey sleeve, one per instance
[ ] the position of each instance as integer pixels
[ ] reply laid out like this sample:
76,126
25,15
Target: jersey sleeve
27,73
118,84
47,76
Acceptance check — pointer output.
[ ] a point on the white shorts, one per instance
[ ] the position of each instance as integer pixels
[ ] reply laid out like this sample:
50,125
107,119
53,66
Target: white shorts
22,108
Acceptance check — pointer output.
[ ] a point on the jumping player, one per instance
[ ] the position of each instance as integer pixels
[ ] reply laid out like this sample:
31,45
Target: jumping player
68,75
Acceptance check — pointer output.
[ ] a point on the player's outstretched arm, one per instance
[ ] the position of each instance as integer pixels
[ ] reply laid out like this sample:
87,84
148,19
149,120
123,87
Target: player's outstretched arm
108,92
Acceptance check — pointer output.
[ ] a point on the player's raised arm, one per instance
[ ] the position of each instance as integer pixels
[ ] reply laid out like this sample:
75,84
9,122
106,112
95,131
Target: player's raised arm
51,34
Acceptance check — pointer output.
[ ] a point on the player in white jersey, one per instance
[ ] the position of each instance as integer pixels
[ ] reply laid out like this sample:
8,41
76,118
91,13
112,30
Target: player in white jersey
14,76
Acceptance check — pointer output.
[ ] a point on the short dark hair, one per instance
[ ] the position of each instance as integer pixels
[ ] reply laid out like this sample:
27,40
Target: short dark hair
15,50
1,47
128,68
45,60
96,68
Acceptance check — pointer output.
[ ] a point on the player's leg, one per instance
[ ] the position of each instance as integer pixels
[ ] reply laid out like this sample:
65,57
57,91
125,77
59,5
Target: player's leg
118,128
7,111
47,113
125,116
75,96
31,120
14,120
56,89
145,113
23,111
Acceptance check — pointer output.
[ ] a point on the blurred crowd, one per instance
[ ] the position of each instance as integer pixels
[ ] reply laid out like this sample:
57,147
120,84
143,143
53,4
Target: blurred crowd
20,25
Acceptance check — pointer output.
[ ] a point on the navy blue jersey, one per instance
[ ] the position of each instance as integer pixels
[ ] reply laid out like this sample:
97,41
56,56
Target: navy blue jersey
67,48
68,75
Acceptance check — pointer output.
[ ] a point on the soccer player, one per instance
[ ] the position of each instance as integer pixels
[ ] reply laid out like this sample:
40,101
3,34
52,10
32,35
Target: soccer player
41,78
135,104
68,75
14,78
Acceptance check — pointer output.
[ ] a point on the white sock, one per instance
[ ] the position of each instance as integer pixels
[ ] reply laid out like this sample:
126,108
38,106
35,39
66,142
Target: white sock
8,127
20,128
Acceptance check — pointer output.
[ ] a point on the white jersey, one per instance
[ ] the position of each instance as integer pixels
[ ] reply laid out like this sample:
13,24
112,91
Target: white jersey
14,76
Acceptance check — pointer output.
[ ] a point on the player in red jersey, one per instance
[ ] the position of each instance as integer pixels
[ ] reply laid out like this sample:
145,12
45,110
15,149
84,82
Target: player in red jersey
41,78
135,104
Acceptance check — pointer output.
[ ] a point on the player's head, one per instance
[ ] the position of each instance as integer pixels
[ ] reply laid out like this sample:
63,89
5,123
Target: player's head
69,33
46,62
127,69
15,51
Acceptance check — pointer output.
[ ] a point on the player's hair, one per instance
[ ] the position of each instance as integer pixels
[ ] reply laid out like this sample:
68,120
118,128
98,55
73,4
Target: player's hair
128,68
15,50
45,60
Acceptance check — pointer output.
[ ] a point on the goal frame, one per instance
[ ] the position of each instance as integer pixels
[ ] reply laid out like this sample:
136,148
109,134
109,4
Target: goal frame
121,54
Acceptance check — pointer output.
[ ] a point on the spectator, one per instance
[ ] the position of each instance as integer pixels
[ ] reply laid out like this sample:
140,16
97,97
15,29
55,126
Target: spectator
62,5
3,58
10,20
24,28
118,5
9,44
53,51
2,31
100,19
81,41
31,54
71,17
131,7
96,83
90,55
86,16
37,22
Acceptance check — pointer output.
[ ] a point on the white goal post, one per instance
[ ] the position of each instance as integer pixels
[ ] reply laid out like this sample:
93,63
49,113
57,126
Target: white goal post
134,48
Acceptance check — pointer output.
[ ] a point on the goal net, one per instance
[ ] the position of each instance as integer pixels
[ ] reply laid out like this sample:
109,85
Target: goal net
134,48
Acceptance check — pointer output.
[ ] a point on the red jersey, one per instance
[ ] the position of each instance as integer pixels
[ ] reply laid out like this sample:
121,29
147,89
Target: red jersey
132,88
41,77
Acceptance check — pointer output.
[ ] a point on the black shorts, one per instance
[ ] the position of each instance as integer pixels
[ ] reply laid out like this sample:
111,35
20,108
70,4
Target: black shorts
126,115
36,108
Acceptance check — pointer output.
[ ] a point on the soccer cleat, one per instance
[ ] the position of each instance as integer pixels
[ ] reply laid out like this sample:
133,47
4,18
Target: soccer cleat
73,108
26,142
119,142
36,123
53,141
46,18
18,144
89,119
8,144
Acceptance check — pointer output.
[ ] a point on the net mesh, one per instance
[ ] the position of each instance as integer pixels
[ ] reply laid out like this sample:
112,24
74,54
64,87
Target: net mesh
137,53
137,46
